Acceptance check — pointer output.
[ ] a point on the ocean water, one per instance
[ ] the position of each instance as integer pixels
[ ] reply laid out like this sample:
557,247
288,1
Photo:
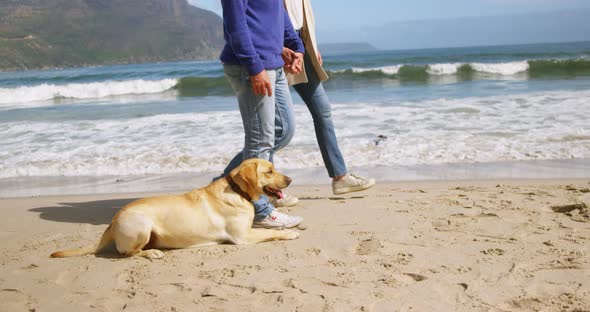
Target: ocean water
392,109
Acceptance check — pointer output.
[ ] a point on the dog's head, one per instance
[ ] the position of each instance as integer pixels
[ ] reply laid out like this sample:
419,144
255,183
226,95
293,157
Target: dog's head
258,176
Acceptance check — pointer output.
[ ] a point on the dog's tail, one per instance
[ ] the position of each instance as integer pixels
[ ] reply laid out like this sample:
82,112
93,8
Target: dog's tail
106,238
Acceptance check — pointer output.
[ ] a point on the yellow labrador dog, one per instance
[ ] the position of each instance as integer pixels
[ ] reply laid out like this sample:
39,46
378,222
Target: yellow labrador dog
218,213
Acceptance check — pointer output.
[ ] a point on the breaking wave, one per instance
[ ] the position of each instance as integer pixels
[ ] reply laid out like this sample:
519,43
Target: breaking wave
218,86
532,69
46,91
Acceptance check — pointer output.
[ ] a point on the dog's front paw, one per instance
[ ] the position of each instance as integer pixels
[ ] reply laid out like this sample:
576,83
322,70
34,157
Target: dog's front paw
152,254
290,234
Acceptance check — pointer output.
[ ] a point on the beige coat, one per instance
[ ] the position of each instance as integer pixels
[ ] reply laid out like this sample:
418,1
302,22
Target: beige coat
309,40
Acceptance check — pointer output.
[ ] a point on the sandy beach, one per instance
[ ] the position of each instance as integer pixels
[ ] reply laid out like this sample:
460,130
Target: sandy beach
473,120
510,245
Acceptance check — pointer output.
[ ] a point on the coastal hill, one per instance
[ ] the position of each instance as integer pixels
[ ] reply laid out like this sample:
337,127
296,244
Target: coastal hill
64,33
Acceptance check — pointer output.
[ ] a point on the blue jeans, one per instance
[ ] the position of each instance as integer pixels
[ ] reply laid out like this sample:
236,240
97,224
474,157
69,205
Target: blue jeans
316,99
269,122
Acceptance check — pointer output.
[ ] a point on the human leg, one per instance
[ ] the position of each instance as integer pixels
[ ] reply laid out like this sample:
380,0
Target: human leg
316,100
284,119
258,118
258,114
284,127
284,115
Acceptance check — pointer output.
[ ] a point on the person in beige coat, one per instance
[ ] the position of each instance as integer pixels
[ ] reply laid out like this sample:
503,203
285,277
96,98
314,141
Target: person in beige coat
307,80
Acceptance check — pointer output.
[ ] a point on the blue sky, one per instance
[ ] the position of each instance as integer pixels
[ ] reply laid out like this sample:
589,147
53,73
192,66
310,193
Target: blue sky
332,13
339,13
338,17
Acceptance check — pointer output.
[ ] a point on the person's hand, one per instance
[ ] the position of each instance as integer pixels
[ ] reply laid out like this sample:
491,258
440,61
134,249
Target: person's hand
288,56
261,84
297,65
320,58
289,69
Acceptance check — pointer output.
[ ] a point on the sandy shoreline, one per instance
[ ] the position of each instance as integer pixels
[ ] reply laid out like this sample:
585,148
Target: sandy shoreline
498,245
173,182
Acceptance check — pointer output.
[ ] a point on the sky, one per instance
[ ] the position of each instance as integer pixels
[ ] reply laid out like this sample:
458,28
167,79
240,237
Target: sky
337,17
340,13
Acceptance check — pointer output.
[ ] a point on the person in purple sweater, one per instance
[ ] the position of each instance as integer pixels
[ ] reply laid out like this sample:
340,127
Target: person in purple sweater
255,32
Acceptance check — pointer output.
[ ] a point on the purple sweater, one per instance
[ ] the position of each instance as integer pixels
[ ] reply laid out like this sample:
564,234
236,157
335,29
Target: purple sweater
255,32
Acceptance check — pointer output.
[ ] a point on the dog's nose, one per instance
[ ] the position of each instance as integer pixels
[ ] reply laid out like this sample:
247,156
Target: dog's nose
289,180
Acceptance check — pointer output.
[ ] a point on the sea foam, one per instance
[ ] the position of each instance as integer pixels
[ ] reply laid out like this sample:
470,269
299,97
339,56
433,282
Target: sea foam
510,68
387,70
444,69
506,69
530,126
44,92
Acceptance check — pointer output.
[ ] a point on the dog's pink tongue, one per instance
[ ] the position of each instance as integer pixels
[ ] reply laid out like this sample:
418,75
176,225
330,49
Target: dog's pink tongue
280,193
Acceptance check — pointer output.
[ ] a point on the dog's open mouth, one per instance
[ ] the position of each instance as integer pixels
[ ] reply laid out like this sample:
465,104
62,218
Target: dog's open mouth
273,192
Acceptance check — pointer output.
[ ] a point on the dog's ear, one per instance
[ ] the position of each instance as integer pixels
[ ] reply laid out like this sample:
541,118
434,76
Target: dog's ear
248,175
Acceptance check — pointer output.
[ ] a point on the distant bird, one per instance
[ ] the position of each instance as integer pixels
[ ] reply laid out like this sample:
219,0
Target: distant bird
380,138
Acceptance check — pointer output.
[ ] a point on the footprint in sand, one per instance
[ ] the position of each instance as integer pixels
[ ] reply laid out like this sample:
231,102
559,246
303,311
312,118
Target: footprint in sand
550,302
577,190
170,289
361,233
11,300
403,258
493,252
368,247
71,275
336,263
578,212
390,281
399,259
313,251
568,208
416,277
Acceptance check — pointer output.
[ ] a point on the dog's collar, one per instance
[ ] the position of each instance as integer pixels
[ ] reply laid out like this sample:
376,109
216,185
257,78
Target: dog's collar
236,188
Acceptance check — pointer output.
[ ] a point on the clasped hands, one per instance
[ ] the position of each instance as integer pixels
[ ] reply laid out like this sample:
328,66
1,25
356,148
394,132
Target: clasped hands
293,61
293,65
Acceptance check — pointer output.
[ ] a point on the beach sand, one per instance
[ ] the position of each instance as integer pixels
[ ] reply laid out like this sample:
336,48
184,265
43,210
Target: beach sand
496,245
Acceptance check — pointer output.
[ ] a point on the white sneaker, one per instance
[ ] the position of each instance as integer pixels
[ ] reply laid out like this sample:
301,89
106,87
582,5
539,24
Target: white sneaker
278,220
351,183
286,201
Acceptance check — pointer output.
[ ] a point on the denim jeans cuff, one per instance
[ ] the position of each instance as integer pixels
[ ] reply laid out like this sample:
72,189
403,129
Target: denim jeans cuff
262,208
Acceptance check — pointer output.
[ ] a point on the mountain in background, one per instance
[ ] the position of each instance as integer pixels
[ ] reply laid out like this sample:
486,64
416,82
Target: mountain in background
558,26
63,33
